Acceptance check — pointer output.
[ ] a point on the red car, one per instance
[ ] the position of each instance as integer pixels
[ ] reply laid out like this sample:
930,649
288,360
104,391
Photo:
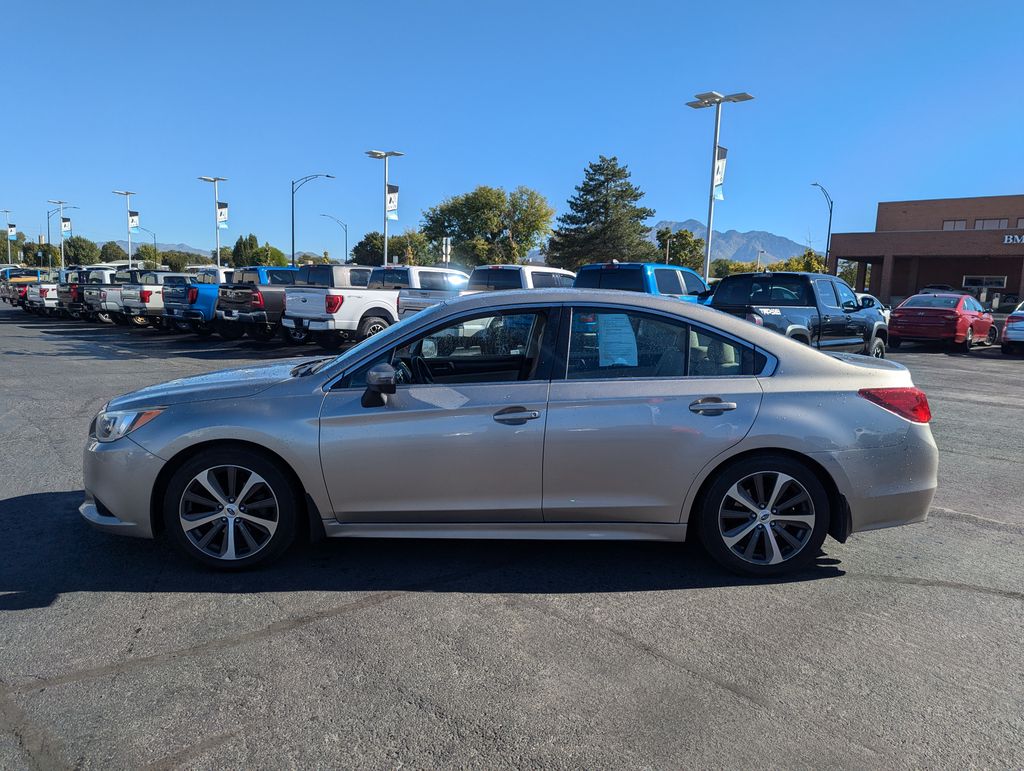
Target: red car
957,319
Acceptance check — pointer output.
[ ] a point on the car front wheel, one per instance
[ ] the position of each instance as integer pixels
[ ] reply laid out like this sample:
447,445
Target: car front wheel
877,348
764,516
231,508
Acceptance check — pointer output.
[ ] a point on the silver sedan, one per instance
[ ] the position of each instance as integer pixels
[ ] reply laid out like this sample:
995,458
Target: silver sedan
559,414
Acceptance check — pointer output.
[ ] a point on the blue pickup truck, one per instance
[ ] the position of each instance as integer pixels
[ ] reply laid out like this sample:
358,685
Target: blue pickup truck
647,277
193,305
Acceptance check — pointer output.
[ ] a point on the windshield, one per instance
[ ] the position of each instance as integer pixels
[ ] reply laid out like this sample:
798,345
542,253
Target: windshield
495,278
762,290
931,301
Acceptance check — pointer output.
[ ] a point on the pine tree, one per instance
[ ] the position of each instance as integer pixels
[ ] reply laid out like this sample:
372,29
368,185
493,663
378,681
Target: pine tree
604,222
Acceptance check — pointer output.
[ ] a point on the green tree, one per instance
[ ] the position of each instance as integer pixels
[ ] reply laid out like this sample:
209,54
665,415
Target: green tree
40,255
604,221
145,253
79,250
683,248
411,248
244,249
267,255
369,250
225,257
174,259
809,261
722,267
111,252
848,272
489,225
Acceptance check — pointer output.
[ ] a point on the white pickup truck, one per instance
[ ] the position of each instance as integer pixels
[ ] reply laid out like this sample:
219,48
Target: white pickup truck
145,300
41,297
489,278
326,301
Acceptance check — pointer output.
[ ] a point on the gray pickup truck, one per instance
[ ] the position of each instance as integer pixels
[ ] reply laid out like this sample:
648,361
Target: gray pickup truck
145,300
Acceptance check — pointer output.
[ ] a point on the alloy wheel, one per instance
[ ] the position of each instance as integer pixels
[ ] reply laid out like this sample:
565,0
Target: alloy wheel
375,328
766,518
992,336
228,512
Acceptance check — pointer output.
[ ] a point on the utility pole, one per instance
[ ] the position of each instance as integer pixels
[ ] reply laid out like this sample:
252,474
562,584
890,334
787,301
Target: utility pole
128,219
385,155
7,218
60,208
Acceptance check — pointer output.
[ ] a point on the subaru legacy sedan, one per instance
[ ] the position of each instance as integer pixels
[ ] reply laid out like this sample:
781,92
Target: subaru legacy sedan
557,414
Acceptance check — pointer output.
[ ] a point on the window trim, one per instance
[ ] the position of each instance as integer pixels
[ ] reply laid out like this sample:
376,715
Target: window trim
560,368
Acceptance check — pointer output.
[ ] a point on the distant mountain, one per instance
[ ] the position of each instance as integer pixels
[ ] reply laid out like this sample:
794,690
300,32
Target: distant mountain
163,247
734,245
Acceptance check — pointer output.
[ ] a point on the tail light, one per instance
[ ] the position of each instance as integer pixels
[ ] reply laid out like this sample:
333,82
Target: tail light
145,294
74,293
43,293
909,403
1014,320
949,316
103,294
257,299
193,295
753,318
333,302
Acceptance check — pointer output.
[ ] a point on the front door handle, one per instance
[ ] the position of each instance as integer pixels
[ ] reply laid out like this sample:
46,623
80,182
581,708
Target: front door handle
515,416
711,405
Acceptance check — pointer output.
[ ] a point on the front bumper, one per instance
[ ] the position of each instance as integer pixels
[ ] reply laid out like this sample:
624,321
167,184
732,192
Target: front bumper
887,486
119,477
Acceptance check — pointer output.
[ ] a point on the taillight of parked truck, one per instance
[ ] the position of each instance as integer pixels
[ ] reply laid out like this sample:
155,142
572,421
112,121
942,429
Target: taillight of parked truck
333,302
193,295
43,293
257,299
145,294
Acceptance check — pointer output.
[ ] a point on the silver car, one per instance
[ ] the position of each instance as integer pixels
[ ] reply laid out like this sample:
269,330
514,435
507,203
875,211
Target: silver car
560,414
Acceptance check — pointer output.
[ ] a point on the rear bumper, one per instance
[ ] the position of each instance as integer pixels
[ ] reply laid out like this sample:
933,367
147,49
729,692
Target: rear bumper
318,325
133,309
887,486
118,478
184,314
1013,334
245,317
927,333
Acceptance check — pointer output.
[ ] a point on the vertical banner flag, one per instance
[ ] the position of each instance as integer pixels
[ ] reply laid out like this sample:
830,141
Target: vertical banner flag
222,215
720,153
133,221
392,202
12,232
65,225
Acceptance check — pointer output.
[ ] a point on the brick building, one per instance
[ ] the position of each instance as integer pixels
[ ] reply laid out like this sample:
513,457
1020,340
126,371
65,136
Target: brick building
972,244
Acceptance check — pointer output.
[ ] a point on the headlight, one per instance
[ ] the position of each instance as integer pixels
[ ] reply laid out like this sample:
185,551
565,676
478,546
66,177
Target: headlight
117,423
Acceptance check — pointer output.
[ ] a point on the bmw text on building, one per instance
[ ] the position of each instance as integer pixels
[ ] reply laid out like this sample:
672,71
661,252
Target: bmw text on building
971,244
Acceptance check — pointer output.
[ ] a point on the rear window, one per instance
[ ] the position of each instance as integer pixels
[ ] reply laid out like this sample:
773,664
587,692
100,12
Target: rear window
610,277
246,277
206,278
315,275
278,277
433,281
178,280
930,301
497,278
763,290
542,280
92,277
389,278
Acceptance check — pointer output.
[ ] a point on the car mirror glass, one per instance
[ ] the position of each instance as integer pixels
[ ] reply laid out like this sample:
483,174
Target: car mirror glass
867,302
429,348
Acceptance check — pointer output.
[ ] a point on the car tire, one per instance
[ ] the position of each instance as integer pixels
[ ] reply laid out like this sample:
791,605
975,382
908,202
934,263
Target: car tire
372,325
231,330
992,336
120,319
201,328
894,343
138,321
330,341
295,336
230,529
876,348
263,332
770,541
965,346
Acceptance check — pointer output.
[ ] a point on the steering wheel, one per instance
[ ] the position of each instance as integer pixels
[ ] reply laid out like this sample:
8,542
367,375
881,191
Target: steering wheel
403,375
422,371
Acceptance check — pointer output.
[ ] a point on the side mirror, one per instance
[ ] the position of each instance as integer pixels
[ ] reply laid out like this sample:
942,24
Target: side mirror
849,305
380,379
987,309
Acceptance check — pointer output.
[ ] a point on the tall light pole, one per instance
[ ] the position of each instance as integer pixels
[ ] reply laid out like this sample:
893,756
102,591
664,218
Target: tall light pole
296,184
759,253
714,99
7,235
828,238
216,201
128,219
60,208
385,154
155,250
49,214
344,227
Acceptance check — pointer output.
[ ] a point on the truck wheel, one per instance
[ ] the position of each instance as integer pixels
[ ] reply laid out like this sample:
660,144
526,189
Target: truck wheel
295,336
119,318
371,325
262,332
876,348
138,321
231,330
201,328
330,341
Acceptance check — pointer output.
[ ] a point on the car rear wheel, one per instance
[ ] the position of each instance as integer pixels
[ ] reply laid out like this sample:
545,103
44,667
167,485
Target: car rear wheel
295,336
993,335
231,509
965,346
764,516
372,325
877,348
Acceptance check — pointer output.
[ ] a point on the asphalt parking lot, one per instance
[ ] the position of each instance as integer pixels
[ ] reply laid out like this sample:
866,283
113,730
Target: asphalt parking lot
901,648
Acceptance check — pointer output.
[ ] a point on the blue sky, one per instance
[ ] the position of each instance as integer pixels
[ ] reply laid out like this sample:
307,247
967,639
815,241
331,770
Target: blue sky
878,101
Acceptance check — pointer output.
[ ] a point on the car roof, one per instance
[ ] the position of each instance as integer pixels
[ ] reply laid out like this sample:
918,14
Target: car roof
600,265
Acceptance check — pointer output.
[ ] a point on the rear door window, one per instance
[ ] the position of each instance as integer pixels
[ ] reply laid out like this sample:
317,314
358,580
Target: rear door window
667,281
611,277
389,278
432,281
359,277
496,278
826,294
544,280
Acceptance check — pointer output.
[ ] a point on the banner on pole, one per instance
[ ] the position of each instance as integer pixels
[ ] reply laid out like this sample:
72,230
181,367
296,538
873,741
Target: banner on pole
12,232
133,221
391,206
720,154
222,215
65,224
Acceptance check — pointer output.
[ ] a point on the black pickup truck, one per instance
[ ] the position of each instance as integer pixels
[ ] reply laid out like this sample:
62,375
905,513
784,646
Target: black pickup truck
813,308
253,302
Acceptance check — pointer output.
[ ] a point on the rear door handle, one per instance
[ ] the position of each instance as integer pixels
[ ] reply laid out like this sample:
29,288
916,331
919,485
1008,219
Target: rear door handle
515,416
711,405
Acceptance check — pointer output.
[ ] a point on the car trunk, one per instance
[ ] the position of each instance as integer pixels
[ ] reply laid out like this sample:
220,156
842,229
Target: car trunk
927,322
235,298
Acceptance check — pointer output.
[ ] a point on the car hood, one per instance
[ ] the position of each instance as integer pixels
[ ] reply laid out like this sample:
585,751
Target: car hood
224,384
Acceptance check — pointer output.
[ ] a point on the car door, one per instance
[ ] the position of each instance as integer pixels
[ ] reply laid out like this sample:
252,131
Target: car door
833,335
461,439
860,322
639,404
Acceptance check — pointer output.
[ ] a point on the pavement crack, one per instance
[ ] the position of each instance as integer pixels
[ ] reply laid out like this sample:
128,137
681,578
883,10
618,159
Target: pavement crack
992,524
42,749
192,751
939,584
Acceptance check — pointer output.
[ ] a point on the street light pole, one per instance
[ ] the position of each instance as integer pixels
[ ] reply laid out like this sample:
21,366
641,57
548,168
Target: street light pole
7,235
828,238
128,219
155,250
60,208
759,253
216,201
714,99
344,227
385,154
296,184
